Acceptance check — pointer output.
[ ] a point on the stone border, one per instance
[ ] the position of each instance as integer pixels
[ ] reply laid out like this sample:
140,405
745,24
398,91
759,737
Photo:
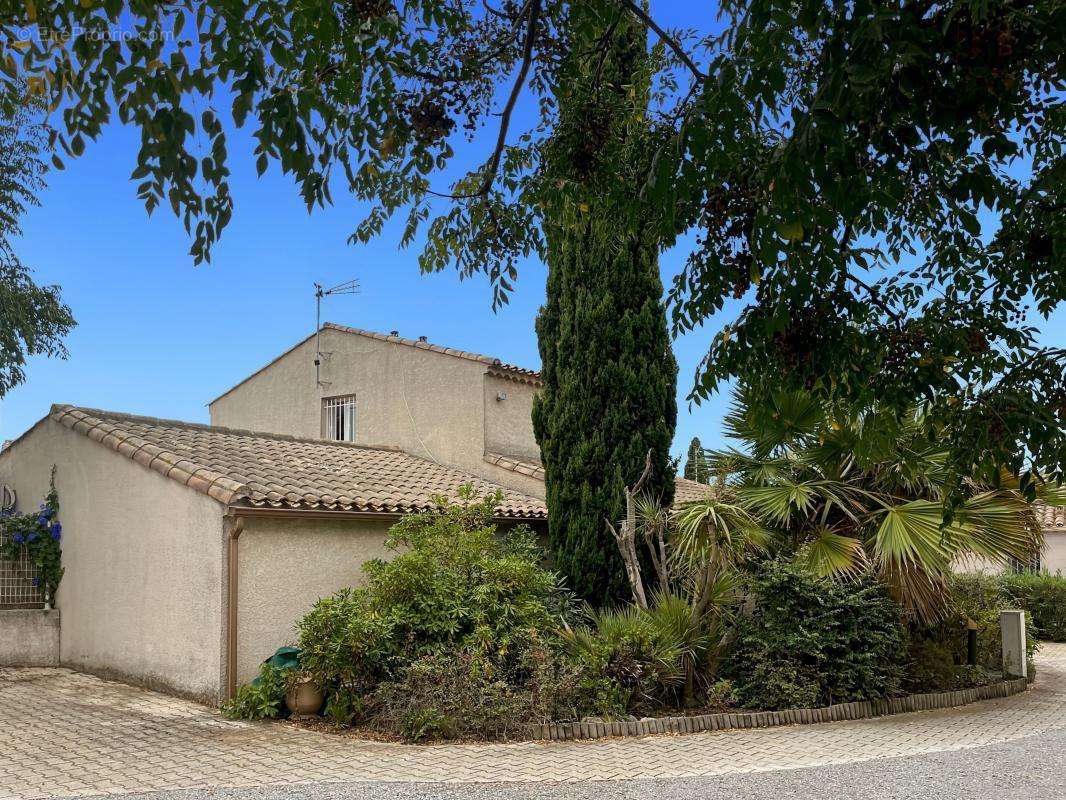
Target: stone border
565,731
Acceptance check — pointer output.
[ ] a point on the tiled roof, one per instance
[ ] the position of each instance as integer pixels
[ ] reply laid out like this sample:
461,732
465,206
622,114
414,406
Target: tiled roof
495,365
522,467
1052,518
686,491
270,470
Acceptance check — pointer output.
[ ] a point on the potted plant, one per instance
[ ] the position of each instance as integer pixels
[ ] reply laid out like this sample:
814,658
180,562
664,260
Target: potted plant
303,697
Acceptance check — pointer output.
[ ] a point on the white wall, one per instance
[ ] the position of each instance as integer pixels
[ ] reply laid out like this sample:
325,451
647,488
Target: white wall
141,598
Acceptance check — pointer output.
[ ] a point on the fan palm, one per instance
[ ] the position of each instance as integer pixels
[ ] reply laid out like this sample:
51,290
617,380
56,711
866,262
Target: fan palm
852,492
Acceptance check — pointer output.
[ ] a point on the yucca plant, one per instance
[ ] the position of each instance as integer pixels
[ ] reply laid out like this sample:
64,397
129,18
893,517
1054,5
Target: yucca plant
855,492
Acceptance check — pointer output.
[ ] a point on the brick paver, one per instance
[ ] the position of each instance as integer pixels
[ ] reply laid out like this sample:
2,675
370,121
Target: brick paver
65,734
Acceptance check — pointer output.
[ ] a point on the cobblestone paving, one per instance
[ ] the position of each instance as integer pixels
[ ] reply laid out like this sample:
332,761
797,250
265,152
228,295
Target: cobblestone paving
65,734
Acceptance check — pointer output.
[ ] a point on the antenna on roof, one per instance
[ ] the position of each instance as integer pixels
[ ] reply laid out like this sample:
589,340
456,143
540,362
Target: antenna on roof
348,287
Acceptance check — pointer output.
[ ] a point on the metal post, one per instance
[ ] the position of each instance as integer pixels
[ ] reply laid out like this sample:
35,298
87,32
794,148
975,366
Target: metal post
971,643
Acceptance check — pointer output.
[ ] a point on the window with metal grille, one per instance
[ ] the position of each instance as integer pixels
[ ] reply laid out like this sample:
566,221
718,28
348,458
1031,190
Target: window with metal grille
338,418
17,582
1018,566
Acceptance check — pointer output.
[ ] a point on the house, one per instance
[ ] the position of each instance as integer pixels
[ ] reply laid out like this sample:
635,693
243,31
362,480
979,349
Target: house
192,550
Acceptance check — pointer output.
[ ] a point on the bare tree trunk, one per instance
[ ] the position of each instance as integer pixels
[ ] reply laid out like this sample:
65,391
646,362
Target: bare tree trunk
626,537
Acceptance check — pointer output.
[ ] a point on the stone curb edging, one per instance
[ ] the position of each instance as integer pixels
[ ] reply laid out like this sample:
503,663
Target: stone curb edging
566,731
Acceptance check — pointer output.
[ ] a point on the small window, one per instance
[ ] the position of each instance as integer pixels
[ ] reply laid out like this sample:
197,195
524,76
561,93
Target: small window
338,418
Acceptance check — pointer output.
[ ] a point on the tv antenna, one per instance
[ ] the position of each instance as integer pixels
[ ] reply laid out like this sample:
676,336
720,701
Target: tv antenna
348,287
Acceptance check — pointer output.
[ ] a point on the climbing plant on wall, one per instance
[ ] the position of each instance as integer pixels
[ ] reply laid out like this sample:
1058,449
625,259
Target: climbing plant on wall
37,536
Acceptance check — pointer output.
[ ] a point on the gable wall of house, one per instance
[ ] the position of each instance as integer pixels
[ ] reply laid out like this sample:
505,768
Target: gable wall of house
141,598
426,403
509,418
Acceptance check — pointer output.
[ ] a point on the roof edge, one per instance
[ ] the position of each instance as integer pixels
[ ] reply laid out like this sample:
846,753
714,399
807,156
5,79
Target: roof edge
178,468
495,365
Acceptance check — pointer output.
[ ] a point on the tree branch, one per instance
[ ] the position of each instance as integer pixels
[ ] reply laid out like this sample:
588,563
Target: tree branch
666,38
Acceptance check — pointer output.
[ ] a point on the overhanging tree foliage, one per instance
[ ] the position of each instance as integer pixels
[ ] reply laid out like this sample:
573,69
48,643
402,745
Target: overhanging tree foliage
881,181
33,319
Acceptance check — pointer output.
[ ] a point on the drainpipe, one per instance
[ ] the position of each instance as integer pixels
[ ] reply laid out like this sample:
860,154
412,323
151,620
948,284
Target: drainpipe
235,530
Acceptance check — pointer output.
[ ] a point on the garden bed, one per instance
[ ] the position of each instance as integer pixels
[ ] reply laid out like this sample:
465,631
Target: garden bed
767,719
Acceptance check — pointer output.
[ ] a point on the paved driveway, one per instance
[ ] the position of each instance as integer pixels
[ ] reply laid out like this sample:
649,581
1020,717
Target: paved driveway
67,734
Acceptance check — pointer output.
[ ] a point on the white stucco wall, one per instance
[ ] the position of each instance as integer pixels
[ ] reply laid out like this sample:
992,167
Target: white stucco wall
141,598
285,565
429,404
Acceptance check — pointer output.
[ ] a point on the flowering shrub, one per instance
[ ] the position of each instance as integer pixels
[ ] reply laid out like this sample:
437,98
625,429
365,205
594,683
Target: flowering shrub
37,535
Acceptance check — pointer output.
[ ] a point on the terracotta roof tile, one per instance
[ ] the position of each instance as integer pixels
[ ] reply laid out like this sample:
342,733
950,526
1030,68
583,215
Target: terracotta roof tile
1052,518
271,470
685,491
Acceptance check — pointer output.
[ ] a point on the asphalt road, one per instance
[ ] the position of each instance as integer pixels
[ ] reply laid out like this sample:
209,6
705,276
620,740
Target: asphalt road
1033,768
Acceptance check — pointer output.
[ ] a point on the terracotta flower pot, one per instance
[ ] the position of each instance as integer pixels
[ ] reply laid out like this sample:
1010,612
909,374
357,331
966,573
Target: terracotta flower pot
304,698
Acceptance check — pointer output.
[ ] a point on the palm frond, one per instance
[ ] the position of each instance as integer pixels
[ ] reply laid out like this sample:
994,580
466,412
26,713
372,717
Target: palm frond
832,555
712,524
910,535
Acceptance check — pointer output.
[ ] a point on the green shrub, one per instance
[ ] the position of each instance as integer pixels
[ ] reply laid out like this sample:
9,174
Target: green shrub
629,663
980,598
460,694
261,699
1043,597
808,641
937,653
453,584
455,636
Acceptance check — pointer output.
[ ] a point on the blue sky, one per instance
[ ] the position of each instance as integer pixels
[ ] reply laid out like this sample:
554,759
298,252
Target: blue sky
158,336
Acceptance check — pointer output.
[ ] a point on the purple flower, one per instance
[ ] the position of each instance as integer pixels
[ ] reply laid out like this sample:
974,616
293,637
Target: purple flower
32,536
18,539
36,581
55,529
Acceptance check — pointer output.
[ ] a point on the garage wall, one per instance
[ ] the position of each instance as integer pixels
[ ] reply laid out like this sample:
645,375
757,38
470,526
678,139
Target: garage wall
141,599
285,565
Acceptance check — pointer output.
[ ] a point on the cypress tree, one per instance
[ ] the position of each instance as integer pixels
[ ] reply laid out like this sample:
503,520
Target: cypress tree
696,468
608,368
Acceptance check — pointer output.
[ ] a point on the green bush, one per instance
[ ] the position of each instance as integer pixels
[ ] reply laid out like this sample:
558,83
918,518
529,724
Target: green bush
629,662
461,694
806,641
455,636
980,598
1043,597
937,653
453,584
261,699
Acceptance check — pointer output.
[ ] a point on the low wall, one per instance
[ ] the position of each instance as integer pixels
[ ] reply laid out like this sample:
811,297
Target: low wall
29,638
766,719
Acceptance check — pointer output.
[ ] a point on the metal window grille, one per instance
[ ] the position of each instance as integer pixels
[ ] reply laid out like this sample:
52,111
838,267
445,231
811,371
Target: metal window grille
1018,566
16,582
338,418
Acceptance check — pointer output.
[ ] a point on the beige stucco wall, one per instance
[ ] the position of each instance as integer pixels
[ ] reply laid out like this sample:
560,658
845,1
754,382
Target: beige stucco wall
426,403
509,422
1054,556
141,598
1052,559
286,564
